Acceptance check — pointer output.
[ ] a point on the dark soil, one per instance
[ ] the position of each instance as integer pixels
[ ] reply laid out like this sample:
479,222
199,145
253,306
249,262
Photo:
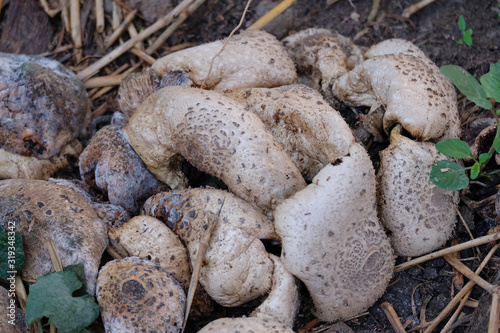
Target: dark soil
417,294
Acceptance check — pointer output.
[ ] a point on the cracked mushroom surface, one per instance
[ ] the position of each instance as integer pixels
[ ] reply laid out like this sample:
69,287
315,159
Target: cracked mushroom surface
110,164
41,211
236,268
312,133
217,136
420,215
134,294
252,58
245,325
332,239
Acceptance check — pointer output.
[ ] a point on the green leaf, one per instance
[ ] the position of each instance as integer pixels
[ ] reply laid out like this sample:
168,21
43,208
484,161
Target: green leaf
51,297
455,148
461,23
491,82
78,270
12,257
483,158
474,171
496,144
467,85
467,34
449,175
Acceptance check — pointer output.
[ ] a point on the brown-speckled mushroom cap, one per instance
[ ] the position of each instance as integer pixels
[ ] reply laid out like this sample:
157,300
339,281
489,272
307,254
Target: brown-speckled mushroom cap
245,325
413,91
394,46
110,164
252,58
43,106
41,210
332,239
135,295
420,215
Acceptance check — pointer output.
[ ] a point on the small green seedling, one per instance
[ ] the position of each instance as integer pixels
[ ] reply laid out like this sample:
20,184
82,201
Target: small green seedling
450,175
466,34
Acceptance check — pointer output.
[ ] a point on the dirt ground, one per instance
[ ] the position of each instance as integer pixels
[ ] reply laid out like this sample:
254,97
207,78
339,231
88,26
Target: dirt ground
417,294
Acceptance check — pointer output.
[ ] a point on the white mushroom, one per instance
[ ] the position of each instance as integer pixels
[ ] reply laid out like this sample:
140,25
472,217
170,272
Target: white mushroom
251,59
333,241
245,325
236,268
217,136
134,294
420,215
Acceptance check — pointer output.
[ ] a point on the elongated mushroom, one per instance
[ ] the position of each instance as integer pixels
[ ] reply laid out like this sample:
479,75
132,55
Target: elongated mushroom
332,239
134,294
41,211
236,268
252,58
245,325
420,215
217,136
312,133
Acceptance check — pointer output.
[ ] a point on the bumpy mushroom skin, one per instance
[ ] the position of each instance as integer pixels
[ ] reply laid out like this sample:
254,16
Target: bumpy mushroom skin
250,59
146,237
13,165
312,133
237,268
322,55
110,164
217,136
412,90
395,46
40,211
420,215
43,106
245,325
282,303
134,294
332,239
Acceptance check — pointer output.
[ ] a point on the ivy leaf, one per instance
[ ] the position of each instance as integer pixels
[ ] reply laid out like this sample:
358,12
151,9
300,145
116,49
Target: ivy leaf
483,158
455,148
491,82
467,85
474,171
461,23
449,175
51,297
12,253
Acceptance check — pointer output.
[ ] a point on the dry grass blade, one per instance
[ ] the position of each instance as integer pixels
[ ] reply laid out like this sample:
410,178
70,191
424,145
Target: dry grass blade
494,312
49,11
374,10
104,90
475,242
416,7
121,28
271,15
469,274
99,16
63,4
76,29
56,262
393,317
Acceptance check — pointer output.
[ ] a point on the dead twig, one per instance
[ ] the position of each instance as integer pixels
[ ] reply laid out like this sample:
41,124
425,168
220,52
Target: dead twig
120,29
99,16
104,90
409,11
271,15
374,10
45,5
393,317
76,30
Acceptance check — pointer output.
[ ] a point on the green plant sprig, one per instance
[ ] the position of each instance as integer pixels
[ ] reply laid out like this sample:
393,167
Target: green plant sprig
466,33
450,175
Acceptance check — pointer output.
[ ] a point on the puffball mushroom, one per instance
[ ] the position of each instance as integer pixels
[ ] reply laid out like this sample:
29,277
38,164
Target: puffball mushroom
110,164
236,268
252,58
134,294
332,239
41,211
43,108
412,90
420,215
217,136
312,133
245,325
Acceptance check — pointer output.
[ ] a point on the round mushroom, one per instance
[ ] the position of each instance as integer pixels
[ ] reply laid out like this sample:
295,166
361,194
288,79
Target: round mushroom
134,294
245,325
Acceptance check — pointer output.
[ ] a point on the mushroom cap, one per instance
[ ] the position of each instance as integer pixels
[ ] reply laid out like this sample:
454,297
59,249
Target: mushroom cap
134,294
217,136
282,303
41,211
252,58
147,237
413,91
236,268
44,106
110,164
13,165
312,133
245,325
395,46
332,239
420,215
